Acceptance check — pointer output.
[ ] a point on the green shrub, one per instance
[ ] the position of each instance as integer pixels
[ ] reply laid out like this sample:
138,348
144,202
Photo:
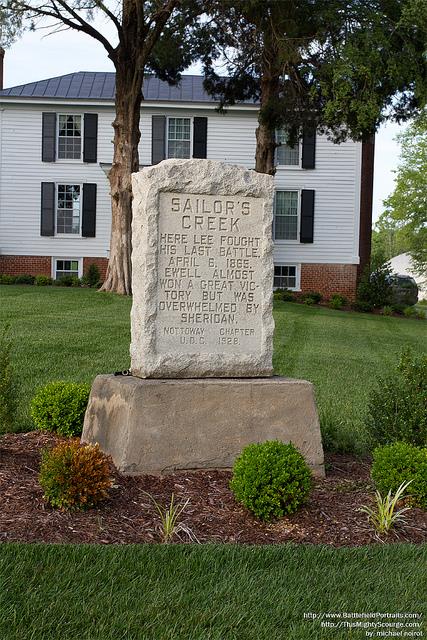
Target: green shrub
314,296
74,476
308,300
43,281
93,275
423,301
375,286
271,479
397,405
398,308
5,279
8,391
362,306
337,301
400,462
25,279
387,310
421,315
409,312
60,407
285,295
68,281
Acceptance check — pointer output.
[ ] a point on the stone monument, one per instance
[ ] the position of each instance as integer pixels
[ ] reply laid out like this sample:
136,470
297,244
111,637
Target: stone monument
202,384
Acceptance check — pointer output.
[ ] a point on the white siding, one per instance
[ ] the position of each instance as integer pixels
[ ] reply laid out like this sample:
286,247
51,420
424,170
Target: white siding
231,138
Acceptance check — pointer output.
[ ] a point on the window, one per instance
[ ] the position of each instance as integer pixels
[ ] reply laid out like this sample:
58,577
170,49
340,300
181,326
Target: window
69,137
179,137
286,215
66,268
286,154
285,276
68,209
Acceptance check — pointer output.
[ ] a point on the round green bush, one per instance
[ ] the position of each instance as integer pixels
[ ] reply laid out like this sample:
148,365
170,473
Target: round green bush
60,407
400,462
271,479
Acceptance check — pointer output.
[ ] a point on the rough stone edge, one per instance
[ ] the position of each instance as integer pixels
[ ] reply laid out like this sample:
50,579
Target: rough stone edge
176,176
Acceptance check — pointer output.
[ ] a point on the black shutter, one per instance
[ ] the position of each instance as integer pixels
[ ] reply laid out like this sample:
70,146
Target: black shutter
89,211
48,137
47,223
158,139
90,141
309,149
200,137
307,215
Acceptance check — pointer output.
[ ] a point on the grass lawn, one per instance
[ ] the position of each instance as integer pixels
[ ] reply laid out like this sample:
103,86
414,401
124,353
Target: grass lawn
74,334
55,592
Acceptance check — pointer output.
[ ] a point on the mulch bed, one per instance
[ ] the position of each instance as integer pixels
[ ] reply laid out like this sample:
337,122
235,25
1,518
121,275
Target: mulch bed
212,515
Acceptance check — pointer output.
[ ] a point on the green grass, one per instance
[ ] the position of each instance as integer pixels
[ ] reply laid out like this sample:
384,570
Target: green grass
74,334
147,592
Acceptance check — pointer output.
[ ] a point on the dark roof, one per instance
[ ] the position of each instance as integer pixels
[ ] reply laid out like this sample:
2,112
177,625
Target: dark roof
100,86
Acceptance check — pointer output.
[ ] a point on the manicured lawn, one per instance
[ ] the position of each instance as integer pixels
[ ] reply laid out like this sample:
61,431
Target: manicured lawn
74,334
54,592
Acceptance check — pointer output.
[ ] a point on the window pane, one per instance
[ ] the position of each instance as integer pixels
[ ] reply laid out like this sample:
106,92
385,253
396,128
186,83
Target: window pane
179,136
66,268
68,210
286,215
285,277
69,137
286,154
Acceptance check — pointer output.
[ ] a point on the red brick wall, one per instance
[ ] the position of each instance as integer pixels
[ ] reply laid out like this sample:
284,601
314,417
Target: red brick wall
19,265
101,263
329,279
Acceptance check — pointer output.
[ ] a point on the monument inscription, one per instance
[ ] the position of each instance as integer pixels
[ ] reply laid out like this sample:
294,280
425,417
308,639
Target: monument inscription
202,271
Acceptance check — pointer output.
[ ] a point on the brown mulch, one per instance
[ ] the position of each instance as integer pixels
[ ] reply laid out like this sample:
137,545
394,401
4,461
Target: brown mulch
212,515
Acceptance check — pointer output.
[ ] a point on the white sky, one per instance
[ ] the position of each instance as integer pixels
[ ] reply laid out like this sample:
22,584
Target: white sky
35,57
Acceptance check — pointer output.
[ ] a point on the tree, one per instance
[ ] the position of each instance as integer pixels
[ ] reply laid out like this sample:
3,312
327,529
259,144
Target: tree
406,208
154,35
341,66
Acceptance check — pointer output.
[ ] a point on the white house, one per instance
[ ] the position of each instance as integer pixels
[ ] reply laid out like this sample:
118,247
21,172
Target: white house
56,150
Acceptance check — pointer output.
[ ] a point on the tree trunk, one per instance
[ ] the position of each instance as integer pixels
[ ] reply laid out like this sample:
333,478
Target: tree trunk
270,87
125,162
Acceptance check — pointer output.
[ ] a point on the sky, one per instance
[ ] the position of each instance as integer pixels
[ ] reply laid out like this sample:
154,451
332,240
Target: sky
36,56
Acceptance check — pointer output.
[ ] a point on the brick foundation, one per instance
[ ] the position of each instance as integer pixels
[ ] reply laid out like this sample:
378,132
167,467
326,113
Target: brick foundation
101,263
42,265
329,279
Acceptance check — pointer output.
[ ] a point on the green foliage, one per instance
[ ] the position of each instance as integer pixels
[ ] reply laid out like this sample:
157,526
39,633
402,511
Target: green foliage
74,476
387,310
314,297
6,279
308,300
409,312
8,387
43,281
271,479
285,295
68,281
93,276
338,433
337,301
25,279
421,314
398,308
401,462
362,306
397,405
375,287
170,526
60,407
383,516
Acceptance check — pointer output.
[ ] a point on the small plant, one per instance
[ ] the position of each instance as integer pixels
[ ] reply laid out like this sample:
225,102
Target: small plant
43,281
60,407
68,281
400,462
308,300
387,310
25,279
397,405
8,391
6,279
409,312
74,476
271,479
285,295
362,306
383,515
337,301
93,276
170,525
375,286
398,308
314,296
421,314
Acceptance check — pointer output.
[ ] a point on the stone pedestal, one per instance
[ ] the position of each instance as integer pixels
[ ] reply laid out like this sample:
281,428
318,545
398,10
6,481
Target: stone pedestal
155,426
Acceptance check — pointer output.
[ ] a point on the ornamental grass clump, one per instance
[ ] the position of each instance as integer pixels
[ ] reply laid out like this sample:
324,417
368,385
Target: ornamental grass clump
271,479
60,407
74,476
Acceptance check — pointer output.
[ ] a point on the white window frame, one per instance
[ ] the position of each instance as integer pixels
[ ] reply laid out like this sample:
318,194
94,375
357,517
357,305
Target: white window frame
297,239
297,275
71,160
68,235
190,118
292,167
79,260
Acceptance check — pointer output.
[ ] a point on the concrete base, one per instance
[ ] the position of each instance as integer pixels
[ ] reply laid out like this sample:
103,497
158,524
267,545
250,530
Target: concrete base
158,426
